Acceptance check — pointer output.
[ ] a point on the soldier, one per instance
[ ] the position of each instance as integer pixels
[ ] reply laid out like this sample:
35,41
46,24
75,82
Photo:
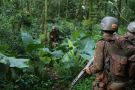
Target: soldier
130,37
110,61
54,36
131,32
128,40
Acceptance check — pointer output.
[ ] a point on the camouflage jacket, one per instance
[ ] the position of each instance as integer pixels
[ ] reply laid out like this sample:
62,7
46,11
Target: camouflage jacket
54,36
99,58
127,42
120,46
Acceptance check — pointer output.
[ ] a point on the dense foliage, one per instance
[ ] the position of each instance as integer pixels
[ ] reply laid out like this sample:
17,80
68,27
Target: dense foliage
27,59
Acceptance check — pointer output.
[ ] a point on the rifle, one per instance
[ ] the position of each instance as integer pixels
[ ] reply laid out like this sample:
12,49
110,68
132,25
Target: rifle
80,74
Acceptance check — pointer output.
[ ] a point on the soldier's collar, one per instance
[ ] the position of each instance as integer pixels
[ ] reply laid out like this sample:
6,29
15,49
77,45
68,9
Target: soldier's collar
109,38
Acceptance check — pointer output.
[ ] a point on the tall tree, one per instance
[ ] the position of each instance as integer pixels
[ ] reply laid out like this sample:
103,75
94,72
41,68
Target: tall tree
119,8
45,21
67,9
59,4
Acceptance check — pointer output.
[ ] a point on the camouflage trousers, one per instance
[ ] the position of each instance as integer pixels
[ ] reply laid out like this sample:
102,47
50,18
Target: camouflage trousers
109,86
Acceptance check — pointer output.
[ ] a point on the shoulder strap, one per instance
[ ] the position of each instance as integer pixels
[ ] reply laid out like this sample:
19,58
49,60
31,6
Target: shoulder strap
106,61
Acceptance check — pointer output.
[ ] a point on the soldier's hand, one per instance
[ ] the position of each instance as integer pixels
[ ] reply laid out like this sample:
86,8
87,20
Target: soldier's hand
87,70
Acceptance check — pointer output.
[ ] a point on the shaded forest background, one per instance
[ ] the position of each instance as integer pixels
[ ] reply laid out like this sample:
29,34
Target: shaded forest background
27,60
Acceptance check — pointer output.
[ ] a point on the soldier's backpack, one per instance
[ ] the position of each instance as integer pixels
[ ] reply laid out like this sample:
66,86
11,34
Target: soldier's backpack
116,62
132,66
132,61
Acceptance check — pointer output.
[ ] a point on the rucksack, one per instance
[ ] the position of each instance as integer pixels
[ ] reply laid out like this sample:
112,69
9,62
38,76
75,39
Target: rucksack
116,63
132,60
132,66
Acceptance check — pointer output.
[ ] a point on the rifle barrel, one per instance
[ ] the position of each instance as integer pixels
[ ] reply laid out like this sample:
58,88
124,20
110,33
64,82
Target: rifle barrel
80,74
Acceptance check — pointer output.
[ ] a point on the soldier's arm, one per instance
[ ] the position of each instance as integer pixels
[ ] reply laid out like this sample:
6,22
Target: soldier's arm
98,58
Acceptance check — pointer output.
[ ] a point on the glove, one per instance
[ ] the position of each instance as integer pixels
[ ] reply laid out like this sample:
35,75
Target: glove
87,70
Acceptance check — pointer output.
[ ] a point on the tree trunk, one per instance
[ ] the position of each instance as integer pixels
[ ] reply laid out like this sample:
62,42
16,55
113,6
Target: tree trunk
90,8
106,6
126,1
67,10
59,4
45,22
119,8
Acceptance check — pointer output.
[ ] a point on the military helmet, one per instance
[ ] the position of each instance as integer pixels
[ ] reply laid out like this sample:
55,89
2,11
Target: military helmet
131,27
109,23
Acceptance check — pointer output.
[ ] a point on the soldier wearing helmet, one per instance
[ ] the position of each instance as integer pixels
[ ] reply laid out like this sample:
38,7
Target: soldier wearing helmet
109,75
129,39
130,46
130,35
127,42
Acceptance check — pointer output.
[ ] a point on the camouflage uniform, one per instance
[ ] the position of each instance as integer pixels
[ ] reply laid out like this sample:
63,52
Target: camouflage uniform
98,66
130,35
130,46
105,81
127,42
54,36
104,78
131,49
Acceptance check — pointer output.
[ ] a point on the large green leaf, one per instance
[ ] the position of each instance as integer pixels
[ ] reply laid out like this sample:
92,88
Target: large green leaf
88,51
46,55
19,63
46,59
75,34
85,47
13,62
57,54
26,38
